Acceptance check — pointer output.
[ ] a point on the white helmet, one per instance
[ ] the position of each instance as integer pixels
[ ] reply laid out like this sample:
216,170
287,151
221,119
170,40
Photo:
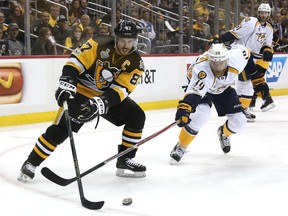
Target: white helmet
264,7
218,58
218,52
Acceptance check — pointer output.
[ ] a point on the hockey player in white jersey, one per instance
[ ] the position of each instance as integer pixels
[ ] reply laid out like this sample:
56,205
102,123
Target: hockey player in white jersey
212,77
257,35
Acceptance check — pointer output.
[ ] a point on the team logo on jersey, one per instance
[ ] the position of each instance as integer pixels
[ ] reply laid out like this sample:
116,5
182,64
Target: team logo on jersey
261,37
275,69
202,75
105,53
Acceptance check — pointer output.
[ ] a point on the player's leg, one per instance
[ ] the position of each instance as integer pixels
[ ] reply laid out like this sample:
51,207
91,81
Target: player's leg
228,104
198,119
48,141
129,114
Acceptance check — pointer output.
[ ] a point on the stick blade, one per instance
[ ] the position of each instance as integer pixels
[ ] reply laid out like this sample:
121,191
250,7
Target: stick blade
50,175
92,205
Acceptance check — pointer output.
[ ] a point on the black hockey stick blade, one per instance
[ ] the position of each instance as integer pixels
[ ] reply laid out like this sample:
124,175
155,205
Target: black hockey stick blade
49,174
91,205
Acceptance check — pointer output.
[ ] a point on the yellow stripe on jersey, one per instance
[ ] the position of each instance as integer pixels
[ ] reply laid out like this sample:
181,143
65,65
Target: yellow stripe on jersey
235,35
233,70
47,143
258,81
72,64
262,63
58,116
90,93
121,94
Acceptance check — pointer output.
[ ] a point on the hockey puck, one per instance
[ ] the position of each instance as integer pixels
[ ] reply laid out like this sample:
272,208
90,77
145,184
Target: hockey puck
127,201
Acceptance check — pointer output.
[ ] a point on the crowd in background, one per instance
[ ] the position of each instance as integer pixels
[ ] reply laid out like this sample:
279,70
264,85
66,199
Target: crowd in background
56,32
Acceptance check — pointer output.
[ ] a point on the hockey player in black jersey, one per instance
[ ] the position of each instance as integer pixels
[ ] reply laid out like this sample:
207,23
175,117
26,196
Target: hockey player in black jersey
97,80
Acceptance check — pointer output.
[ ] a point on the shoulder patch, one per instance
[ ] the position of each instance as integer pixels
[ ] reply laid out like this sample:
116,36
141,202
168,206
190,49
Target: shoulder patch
247,19
202,75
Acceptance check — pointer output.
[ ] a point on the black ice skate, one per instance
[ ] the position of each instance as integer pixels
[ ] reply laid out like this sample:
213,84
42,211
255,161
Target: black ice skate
267,104
177,153
27,172
224,140
127,167
249,116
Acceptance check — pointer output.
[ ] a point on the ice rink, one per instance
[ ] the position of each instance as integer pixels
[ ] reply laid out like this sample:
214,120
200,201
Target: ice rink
251,180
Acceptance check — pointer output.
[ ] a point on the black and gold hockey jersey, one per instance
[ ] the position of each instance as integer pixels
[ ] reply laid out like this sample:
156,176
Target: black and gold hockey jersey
101,69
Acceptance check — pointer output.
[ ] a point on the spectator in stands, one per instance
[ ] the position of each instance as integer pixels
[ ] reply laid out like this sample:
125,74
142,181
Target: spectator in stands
42,22
54,13
198,31
16,47
74,13
73,41
4,51
103,30
2,26
43,45
85,21
148,25
84,9
87,34
280,26
202,7
60,32
16,16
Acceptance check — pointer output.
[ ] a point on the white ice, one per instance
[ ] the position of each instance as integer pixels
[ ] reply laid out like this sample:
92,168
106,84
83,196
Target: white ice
251,180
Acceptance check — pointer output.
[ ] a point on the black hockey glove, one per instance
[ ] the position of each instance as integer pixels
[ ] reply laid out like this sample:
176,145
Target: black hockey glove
66,89
93,108
268,54
183,113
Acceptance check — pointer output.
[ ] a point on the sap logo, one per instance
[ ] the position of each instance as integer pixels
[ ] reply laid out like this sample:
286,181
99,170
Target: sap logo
275,69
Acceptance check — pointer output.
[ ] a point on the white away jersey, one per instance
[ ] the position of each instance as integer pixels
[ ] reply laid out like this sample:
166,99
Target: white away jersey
203,80
252,34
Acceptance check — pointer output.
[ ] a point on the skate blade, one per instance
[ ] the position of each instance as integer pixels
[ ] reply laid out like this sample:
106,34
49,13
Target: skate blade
129,174
23,178
172,161
250,120
269,107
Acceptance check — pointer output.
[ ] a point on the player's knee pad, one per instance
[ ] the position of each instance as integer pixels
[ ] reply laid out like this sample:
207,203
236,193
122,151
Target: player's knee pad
236,121
135,118
56,134
200,117
244,88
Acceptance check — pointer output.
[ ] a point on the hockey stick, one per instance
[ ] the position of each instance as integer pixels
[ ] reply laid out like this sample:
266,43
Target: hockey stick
170,28
86,203
49,174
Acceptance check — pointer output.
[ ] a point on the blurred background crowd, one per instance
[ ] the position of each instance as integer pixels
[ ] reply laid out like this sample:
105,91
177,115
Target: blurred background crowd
56,27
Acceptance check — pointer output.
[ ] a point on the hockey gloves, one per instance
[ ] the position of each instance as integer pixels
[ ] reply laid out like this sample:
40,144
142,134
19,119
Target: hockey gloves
93,108
183,113
66,89
268,54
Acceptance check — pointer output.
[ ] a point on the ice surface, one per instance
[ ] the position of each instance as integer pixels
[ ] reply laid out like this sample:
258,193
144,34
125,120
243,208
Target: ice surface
251,180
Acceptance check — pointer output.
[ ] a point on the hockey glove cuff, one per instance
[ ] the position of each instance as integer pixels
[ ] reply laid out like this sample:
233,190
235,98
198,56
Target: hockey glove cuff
93,108
183,113
268,54
66,90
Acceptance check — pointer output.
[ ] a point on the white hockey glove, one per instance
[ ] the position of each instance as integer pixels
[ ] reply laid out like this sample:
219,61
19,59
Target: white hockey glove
93,108
66,90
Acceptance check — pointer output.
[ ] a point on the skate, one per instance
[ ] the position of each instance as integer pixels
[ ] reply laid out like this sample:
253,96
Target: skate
249,116
27,172
267,104
224,140
129,168
177,153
